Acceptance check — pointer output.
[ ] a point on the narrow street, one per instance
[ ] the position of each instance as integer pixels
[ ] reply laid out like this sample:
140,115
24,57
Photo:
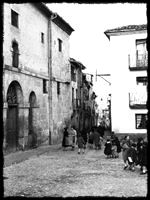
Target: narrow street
58,173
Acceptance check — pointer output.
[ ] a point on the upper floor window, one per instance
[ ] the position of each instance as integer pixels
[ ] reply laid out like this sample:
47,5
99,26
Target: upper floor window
15,54
60,45
45,86
141,52
73,74
14,18
141,121
42,37
142,80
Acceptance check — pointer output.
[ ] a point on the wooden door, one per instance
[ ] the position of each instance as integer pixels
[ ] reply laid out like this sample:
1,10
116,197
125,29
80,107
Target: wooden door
11,137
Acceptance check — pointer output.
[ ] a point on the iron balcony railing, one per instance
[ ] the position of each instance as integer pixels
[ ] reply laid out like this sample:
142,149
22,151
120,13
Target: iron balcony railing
138,61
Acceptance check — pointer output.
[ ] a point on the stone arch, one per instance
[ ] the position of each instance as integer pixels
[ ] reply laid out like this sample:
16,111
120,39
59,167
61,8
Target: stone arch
14,98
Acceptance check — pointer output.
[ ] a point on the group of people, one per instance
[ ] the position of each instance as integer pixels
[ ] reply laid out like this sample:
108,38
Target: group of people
132,153
93,138
112,147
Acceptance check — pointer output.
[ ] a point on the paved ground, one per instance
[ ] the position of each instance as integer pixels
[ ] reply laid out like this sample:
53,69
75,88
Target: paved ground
49,171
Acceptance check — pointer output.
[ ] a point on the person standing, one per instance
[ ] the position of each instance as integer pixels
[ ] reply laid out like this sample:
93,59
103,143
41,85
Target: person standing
74,137
143,161
108,148
84,135
96,139
81,143
65,138
126,144
91,138
116,142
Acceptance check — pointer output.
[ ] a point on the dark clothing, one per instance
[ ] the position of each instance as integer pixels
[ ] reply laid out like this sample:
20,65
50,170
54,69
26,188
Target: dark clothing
143,155
84,135
91,138
101,130
117,143
131,152
80,142
108,148
96,138
65,135
126,144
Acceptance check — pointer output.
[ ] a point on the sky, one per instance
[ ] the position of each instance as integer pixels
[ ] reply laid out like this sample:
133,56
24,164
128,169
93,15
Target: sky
88,43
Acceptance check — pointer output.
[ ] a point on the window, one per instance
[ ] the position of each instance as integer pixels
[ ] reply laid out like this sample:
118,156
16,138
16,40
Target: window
141,121
142,80
60,45
14,18
58,88
15,54
42,37
73,74
45,86
141,52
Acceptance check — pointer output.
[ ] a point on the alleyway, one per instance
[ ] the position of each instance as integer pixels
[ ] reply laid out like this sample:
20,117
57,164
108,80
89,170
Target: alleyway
53,172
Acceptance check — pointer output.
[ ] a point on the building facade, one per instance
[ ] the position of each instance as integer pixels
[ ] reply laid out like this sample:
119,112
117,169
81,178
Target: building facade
77,90
32,47
61,106
129,79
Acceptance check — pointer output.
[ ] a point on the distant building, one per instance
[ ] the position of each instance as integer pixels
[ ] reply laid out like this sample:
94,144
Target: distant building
129,79
84,106
89,105
77,90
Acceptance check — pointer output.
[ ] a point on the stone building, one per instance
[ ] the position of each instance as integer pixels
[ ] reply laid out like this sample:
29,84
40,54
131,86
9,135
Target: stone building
89,113
77,90
61,106
35,42
129,64
84,107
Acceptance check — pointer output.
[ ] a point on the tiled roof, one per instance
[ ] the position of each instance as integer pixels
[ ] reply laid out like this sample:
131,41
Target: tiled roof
58,20
128,28
77,63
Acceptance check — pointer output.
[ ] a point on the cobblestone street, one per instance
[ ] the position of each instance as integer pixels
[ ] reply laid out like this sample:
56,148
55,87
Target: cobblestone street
61,173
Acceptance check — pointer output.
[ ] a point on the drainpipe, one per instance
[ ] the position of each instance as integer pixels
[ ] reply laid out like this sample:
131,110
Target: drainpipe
50,73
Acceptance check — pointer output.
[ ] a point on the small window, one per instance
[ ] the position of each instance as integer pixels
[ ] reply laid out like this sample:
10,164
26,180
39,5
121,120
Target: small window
45,86
141,121
73,74
42,37
60,45
15,54
58,88
142,80
14,18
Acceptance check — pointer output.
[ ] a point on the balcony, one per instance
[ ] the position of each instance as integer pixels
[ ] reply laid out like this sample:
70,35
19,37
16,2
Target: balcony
138,99
138,61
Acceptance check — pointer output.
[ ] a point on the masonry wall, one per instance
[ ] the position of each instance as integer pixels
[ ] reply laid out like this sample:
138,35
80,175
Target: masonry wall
123,82
61,72
32,69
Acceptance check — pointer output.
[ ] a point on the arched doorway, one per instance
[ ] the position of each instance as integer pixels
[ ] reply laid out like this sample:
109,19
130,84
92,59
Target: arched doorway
32,120
14,97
